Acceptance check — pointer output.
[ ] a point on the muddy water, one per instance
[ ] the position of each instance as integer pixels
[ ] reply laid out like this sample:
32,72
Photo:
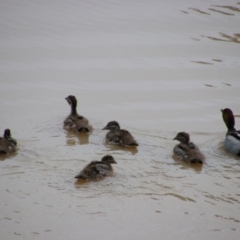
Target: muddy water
156,67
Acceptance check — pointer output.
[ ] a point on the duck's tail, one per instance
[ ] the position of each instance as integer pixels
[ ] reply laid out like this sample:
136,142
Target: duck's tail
81,176
134,144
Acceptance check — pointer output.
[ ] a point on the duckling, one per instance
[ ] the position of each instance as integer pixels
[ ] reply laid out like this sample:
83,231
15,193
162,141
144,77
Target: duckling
186,150
119,136
74,121
232,140
98,169
7,143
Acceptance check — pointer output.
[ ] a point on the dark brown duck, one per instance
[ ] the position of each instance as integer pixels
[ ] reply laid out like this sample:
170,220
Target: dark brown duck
186,150
74,121
119,136
98,169
7,143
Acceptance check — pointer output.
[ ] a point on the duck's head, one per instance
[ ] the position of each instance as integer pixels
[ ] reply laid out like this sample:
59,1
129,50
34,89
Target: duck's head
112,126
182,137
7,133
108,159
72,101
228,118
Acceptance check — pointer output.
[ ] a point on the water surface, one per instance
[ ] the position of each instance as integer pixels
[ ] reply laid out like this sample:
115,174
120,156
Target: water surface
157,68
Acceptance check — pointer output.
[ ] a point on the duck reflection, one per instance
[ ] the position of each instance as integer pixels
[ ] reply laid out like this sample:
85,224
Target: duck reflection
110,147
184,165
73,139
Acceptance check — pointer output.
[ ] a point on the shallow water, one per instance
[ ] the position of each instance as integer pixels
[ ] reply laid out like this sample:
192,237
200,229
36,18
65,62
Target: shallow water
156,67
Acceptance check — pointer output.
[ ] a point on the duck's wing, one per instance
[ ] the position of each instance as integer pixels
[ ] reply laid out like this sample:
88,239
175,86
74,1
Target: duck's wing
193,146
114,137
12,141
69,122
103,169
7,146
236,135
180,150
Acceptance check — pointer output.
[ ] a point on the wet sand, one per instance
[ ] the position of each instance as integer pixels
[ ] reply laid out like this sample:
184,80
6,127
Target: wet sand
157,68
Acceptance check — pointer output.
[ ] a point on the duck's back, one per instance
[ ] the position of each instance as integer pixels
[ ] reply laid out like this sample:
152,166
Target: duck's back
103,169
122,138
95,170
189,153
88,172
77,123
7,145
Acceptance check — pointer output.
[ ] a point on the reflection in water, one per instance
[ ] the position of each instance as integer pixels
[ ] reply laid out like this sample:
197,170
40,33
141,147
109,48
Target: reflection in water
195,39
183,165
227,84
227,38
201,62
179,197
132,150
73,138
218,11
127,60
235,9
217,60
233,38
217,39
6,156
80,182
197,10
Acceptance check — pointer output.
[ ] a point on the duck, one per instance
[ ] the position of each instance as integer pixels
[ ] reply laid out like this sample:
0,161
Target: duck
232,140
97,169
186,150
119,136
74,121
7,143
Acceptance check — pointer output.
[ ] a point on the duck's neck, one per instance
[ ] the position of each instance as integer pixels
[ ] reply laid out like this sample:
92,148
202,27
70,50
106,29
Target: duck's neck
74,109
7,135
230,123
